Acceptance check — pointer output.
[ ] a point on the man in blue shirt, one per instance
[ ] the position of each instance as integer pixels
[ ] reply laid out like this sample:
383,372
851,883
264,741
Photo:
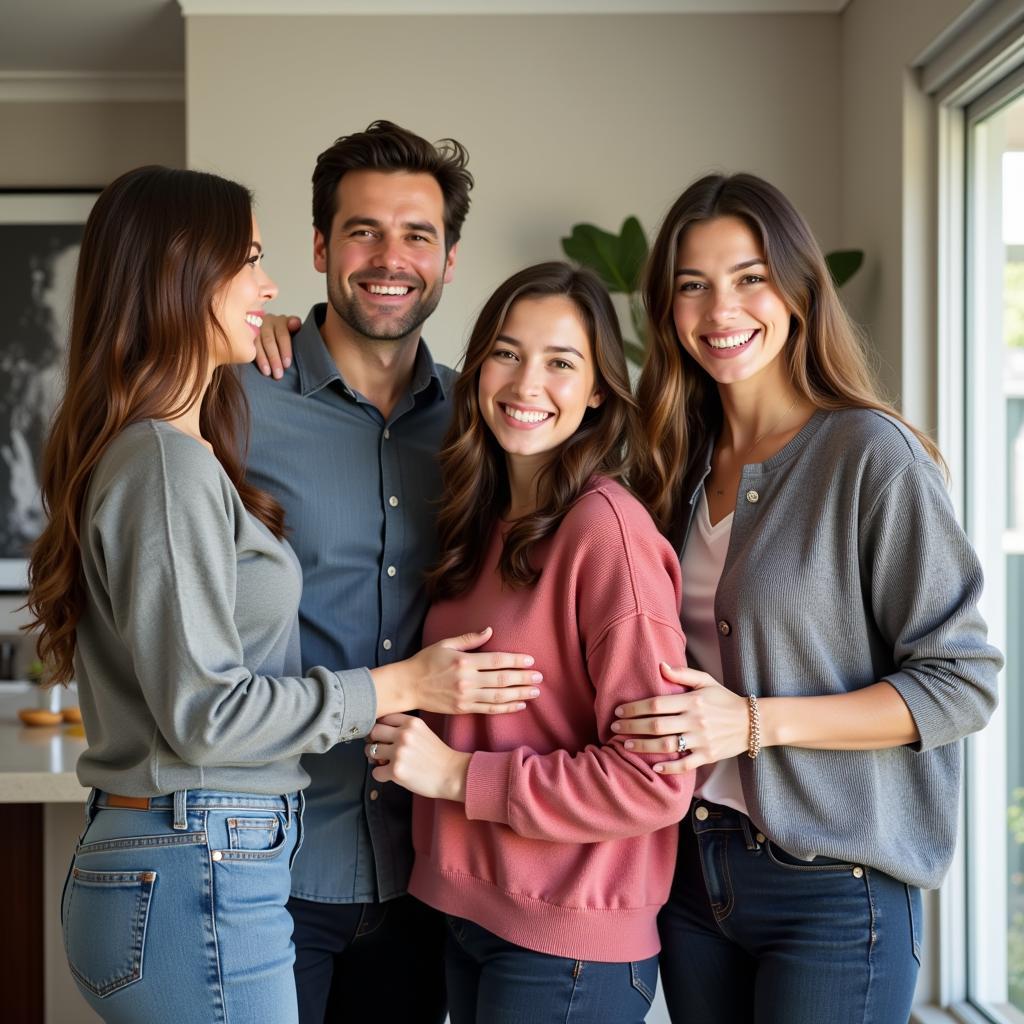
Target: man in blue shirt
346,439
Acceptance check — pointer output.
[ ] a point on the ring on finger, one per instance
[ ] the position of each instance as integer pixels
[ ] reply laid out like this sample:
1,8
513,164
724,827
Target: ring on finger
681,743
373,751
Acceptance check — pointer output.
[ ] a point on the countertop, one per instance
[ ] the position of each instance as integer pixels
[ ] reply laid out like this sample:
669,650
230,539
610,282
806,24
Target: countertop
37,765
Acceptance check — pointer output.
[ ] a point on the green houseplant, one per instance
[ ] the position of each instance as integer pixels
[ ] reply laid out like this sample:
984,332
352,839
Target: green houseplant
619,260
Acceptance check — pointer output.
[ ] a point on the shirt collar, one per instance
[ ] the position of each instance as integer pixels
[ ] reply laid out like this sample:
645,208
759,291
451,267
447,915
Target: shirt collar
317,369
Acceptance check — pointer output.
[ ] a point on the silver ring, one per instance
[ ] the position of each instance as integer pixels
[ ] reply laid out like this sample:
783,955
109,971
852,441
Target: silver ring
373,751
681,743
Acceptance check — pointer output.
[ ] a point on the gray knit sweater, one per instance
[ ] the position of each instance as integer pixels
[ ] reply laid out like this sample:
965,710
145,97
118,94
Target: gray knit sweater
187,654
846,566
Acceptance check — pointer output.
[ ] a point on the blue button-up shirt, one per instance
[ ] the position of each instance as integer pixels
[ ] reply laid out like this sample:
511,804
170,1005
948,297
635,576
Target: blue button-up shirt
360,496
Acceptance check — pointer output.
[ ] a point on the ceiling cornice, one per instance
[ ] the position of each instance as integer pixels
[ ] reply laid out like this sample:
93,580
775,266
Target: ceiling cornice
250,8
91,86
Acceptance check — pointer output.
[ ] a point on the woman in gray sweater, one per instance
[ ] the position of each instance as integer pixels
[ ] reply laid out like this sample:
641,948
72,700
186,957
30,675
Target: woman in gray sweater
163,584
836,653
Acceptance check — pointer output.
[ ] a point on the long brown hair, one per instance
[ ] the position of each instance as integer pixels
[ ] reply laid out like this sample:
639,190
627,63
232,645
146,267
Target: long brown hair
825,358
473,466
157,247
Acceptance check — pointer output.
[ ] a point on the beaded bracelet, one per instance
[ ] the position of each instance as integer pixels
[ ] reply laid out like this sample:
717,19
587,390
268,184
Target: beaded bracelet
754,745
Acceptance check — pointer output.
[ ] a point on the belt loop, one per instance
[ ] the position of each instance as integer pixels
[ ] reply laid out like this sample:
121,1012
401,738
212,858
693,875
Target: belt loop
180,813
287,798
748,834
90,806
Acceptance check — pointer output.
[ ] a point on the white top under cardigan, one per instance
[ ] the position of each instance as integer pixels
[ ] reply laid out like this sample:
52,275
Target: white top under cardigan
702,564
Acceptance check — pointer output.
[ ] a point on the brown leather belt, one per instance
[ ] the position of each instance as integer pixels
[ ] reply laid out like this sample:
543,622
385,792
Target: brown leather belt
136,803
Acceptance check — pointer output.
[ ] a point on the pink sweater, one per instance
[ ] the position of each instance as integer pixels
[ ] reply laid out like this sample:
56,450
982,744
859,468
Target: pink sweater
566,843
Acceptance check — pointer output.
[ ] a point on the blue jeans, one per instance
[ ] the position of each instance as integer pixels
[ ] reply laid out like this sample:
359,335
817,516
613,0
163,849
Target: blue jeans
491,981
176,914
752,934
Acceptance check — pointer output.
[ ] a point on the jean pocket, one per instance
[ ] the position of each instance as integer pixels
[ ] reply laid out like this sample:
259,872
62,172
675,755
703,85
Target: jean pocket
255,838
779,857
643,975
105,927
914,910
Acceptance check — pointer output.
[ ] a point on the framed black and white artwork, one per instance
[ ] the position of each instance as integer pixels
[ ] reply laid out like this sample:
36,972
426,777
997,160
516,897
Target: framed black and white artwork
40,234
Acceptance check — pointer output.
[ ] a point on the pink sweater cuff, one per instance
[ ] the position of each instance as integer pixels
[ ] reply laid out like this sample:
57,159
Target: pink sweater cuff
487,786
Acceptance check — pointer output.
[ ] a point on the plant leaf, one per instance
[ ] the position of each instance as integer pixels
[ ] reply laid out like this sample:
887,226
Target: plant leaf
843,264
599,250
633,249
634,353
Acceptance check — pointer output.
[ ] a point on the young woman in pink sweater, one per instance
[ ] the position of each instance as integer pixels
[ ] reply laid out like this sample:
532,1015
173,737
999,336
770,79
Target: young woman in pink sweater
549,845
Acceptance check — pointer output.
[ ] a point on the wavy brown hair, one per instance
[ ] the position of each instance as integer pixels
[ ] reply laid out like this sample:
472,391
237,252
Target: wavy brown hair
825,356
385,146
157,247
473,467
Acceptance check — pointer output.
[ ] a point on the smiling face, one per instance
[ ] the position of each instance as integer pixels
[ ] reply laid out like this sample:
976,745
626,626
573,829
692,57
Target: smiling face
385,259
728,314
238,306
539,378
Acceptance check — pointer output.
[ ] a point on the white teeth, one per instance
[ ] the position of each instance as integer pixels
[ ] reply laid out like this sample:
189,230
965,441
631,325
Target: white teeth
525,417
731,341
391,289
254,319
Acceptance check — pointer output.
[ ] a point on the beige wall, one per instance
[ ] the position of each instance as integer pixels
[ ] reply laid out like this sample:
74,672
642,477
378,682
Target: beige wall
64,145
567,118
888,201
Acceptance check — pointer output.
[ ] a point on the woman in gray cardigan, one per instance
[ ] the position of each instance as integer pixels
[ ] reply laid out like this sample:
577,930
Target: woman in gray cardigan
836,653
163,584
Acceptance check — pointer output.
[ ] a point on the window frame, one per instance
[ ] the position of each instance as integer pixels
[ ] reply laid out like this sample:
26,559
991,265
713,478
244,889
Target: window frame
969,81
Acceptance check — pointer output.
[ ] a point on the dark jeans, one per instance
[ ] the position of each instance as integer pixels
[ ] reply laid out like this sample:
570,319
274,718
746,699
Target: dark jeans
751,934
357,961
491,981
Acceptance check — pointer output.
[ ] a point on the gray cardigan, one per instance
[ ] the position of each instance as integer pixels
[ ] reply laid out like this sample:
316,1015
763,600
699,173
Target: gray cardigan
846,566
187,653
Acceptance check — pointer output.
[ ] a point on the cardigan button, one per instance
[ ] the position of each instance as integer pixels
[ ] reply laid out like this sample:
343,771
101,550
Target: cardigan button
752,497
724,628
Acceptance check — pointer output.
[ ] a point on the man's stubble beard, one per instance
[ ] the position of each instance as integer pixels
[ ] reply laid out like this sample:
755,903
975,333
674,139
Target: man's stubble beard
382,328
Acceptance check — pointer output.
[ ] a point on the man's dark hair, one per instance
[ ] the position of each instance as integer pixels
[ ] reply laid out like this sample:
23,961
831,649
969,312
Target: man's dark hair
385,146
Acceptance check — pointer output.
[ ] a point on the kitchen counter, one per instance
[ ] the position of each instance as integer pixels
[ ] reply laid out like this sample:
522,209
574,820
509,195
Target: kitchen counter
37,764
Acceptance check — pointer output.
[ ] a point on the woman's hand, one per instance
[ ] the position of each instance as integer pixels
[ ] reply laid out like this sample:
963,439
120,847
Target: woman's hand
408,752
274,345
714,721
447,678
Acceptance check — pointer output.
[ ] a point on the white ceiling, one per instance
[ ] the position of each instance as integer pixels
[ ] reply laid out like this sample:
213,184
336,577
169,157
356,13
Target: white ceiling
147,36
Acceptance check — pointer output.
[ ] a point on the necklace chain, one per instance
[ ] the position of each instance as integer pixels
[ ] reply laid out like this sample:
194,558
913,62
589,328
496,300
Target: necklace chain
760,437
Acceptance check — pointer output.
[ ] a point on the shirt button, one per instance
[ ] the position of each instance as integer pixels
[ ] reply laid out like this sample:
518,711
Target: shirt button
393,501
724,628
217,855
387,434
392,570
701,814
858,872
374,793
759,837
752,497
386,645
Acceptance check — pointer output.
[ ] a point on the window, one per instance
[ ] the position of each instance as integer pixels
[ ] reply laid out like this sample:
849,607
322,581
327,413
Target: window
994,517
